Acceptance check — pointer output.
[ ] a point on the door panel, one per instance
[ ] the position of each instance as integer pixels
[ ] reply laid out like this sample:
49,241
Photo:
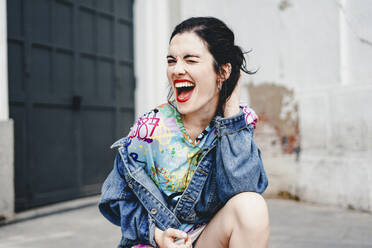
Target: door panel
53,149
97,137
71,93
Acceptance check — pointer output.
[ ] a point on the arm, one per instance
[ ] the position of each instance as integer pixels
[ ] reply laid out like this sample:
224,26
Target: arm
238,161
121,207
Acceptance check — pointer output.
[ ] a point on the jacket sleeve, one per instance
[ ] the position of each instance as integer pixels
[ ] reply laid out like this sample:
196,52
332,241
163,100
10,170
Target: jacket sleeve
239,166
121,207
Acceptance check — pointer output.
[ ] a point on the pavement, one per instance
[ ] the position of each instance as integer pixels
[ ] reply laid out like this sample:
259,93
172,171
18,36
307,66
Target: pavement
293,224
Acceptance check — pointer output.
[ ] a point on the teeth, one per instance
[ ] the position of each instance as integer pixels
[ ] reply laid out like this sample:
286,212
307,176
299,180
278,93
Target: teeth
183,84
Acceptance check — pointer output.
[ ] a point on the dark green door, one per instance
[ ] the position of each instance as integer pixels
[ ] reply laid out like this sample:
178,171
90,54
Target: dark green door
71,91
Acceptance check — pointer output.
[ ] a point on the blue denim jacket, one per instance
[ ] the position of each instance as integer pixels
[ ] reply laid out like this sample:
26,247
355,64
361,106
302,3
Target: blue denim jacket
230,165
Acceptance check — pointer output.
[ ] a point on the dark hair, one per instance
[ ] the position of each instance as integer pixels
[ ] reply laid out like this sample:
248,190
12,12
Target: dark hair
220,42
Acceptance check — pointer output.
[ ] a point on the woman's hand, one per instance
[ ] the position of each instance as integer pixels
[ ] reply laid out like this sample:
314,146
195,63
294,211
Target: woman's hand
232,105
165,239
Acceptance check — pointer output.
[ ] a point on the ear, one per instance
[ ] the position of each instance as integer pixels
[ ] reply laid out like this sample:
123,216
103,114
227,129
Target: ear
225,71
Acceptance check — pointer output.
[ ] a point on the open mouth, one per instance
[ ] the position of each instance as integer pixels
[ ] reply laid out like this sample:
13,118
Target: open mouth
184,90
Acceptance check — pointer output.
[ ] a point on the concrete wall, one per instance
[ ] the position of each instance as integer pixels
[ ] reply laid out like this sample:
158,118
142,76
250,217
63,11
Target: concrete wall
344,170
312,92
6,128
6,170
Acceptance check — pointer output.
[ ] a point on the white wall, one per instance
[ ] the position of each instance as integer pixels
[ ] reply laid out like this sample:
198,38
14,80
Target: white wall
4,107
322,50
356,19
6,127
287,47
151,21
336,165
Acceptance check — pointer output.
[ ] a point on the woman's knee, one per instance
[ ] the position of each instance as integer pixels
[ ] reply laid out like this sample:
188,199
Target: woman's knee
249,211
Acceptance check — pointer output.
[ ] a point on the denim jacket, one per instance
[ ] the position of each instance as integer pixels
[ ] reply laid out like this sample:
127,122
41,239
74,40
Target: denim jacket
231,164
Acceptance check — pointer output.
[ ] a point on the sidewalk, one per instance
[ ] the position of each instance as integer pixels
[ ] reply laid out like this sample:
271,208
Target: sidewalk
293,224
303,225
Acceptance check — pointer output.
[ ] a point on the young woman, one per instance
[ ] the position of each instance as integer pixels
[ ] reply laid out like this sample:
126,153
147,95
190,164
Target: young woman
189,172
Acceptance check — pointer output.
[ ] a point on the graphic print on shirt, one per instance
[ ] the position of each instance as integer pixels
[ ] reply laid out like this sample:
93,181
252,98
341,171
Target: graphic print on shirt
157,143
163,135
144,128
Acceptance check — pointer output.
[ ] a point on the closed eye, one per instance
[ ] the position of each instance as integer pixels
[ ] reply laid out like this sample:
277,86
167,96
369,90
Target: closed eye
171,61
191,61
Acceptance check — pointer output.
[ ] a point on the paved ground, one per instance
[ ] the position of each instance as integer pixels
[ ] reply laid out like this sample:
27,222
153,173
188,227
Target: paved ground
293,224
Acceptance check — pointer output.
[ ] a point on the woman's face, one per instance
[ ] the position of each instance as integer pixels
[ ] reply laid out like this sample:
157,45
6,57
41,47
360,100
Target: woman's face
191,74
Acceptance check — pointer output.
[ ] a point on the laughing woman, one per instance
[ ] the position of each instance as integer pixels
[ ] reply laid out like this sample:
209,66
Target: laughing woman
189,173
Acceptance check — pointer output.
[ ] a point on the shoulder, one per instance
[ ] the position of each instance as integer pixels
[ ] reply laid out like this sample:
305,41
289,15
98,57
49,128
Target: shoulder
145,126
160,111
147,123
250,115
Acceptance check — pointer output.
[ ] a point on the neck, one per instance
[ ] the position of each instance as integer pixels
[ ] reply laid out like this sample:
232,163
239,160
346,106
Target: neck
197,121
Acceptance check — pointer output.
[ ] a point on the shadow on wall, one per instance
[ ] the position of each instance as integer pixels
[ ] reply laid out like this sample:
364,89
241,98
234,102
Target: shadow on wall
278,114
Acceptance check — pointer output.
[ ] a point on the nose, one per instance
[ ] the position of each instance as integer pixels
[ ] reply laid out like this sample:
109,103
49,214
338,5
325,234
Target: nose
179,68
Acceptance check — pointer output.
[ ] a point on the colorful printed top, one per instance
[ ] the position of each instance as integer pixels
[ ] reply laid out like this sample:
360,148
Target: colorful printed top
161,144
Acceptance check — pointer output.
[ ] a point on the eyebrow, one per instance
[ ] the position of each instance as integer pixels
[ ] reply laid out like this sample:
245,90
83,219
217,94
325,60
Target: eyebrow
185,57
